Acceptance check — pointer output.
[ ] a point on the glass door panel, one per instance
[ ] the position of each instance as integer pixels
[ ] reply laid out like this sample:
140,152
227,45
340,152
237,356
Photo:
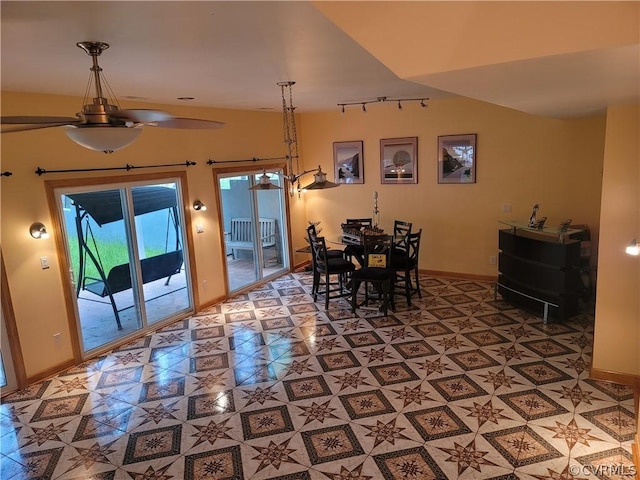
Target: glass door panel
160,238
248,215
270,211
100,258
125,248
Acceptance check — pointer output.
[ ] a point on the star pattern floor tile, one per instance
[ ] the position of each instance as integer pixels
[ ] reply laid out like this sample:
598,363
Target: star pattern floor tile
270,386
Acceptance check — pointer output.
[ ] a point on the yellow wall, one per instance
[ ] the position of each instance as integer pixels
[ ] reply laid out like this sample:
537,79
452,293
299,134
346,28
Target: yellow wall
521,160
617,333
38,294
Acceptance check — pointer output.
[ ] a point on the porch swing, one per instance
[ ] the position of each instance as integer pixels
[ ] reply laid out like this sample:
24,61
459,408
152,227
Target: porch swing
105,207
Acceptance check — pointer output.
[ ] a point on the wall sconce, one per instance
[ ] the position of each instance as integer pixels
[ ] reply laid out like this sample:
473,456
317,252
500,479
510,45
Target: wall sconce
38,230
633,248
198,205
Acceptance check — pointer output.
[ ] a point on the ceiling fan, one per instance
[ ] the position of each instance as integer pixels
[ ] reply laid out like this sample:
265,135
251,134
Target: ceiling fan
103,126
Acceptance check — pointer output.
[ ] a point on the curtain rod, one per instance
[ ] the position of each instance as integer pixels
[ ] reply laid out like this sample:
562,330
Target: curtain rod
42,171
254,159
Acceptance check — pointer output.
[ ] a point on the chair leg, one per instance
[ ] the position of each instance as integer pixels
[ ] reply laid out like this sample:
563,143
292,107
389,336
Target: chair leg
355,285
392,289
315,285
407,286
326,292
385,298
418,283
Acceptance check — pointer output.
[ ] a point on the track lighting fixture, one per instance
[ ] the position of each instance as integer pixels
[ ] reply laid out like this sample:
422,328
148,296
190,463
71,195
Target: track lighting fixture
198,205
38,230
382,100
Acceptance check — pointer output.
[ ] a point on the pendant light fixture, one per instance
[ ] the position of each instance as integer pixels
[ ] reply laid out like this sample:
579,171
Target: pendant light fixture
265,183
320,181
293,173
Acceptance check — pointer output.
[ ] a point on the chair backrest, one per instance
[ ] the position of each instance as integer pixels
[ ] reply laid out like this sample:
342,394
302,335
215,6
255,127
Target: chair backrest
413,245
318,252
377,250
363,222
311,236
401,228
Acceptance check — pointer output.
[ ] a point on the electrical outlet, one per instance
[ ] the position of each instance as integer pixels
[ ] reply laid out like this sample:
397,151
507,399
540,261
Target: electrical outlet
506,208
492,260
56,338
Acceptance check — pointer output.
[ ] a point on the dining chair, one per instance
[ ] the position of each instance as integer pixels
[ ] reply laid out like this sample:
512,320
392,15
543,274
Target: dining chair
400,230
404,262
357,251
326,267
311,234
376,271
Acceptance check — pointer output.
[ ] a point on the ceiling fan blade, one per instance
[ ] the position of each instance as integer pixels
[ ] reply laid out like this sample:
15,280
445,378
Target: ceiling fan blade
36,120
141,115
23,128
191,123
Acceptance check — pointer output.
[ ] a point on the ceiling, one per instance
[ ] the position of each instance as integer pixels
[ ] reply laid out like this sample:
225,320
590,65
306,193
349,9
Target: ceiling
232,55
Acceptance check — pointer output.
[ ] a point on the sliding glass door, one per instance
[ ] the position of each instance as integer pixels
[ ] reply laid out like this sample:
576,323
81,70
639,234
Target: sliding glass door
8,381
125,245
254,228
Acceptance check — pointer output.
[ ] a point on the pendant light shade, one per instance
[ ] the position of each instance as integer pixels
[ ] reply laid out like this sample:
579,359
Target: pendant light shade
265,183
107,139
320,181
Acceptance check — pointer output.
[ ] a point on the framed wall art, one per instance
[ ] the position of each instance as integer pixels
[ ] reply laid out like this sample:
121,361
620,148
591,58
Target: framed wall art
399,160
348,162
457,158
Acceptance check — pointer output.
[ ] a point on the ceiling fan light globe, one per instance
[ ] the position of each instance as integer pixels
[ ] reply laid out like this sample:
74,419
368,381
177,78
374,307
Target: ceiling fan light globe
106,139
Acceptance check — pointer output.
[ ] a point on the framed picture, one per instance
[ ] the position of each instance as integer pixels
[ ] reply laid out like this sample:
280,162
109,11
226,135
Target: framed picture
399,160
457,158
348,162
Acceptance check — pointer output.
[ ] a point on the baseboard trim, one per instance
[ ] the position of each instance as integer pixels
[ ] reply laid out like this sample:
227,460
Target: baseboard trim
616,377
301,266
210,303
464,276
50,372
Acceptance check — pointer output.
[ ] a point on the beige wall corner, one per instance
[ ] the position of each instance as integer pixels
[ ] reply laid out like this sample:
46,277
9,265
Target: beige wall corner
617,328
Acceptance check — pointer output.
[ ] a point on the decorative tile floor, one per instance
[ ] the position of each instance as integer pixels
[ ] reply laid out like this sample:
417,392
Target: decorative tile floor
270,386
